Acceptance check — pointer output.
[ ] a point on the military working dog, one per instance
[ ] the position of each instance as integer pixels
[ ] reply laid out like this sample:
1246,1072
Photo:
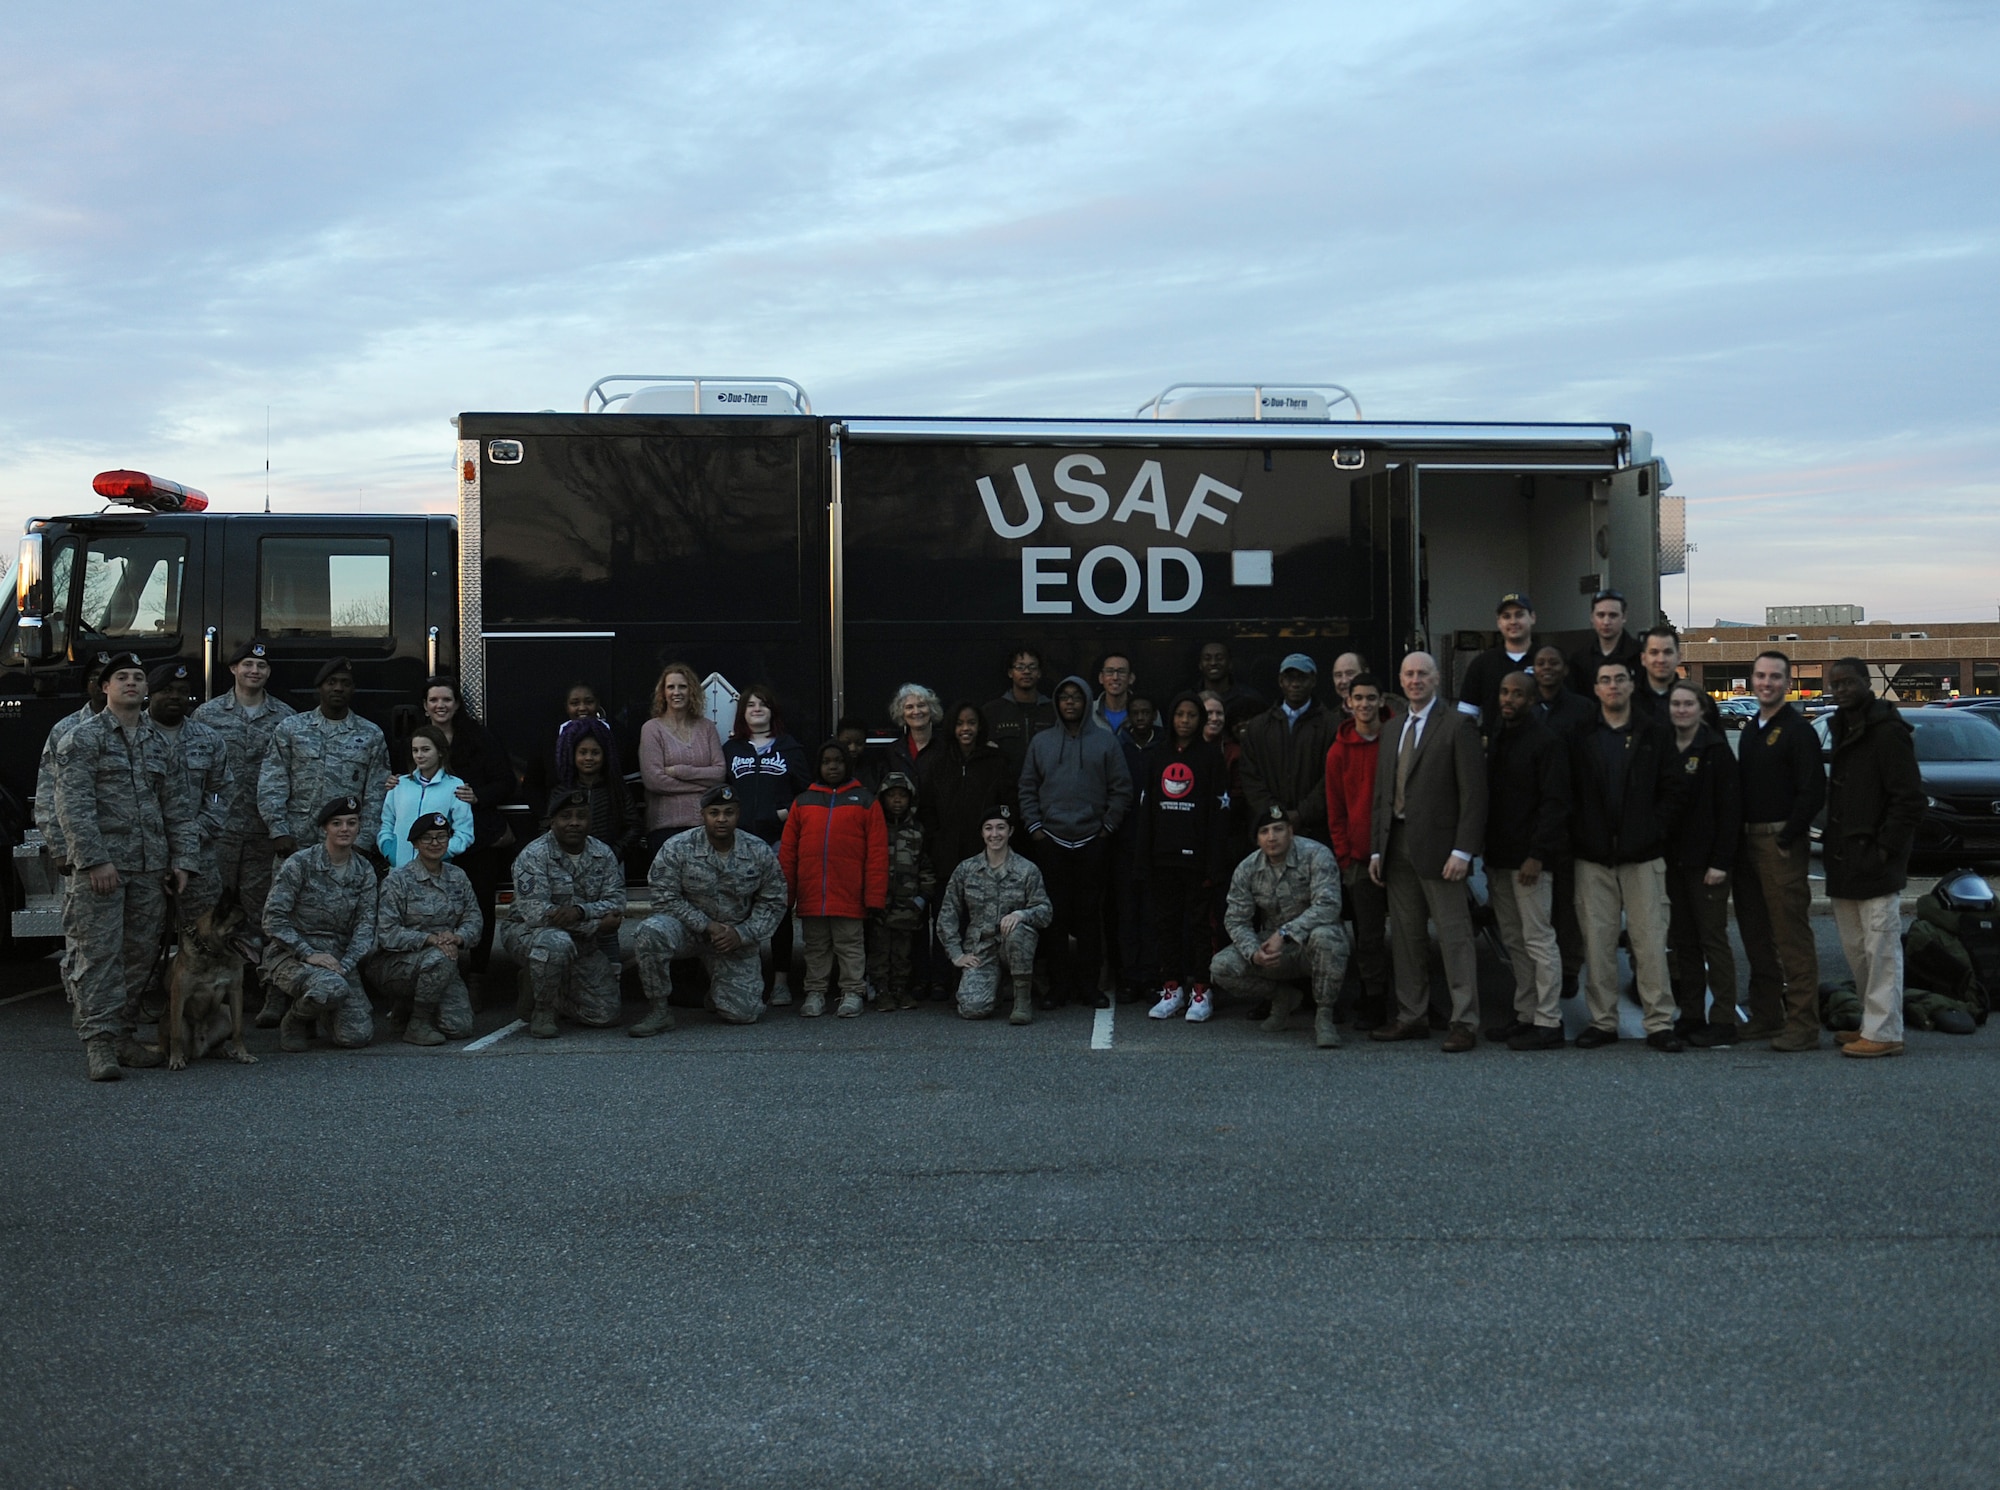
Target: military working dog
205,1000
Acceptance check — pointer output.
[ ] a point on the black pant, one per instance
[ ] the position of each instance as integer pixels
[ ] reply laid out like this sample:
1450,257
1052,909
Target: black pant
1075,880
484,866
1129,923
1368,909
1180,930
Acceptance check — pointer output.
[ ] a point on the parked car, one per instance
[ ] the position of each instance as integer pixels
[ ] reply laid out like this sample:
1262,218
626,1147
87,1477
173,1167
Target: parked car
1958,756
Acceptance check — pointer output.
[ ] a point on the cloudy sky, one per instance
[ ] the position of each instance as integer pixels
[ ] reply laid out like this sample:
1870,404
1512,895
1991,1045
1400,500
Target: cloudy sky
1770,233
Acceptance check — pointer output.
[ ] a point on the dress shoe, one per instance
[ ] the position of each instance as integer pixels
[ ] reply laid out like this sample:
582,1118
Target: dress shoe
1666,1040
1759,1029
1500,1034
1538,1037
1593,1037
1791,1042
1416,1029
1869,1048
1711,1035
1459,1040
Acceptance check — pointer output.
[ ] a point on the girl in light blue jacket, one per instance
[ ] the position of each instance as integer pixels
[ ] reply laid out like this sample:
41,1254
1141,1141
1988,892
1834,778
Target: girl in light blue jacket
428,788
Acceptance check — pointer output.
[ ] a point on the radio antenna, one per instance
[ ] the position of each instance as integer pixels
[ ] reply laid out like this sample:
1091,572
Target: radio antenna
267,457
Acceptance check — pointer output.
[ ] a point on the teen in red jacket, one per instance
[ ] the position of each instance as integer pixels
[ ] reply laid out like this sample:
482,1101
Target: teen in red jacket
835,855
1350,791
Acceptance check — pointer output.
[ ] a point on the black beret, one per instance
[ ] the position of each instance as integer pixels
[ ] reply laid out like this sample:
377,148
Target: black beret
1272,814
338,807
428,822
999,812
255,647
567,796
718,794
119,661
169,673
333,666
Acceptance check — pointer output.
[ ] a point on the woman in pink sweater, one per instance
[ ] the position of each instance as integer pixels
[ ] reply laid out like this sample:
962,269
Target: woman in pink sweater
680,755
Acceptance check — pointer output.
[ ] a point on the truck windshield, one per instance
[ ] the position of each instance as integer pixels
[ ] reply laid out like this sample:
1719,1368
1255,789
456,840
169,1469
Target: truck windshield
132,588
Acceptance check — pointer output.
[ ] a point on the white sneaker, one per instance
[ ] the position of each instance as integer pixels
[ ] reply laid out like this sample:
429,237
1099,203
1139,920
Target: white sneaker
1201,1006
781,993
813,1007
1172,1001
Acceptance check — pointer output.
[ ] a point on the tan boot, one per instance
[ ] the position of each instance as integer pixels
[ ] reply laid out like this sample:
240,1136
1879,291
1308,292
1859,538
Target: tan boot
422,1028
1024,1002
138,1057
1283,1001
101,1051
295,1029
659,1018
1326,1032
543,1025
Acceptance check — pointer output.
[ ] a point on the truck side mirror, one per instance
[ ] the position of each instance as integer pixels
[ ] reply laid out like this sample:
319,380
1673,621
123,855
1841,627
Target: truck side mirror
31,600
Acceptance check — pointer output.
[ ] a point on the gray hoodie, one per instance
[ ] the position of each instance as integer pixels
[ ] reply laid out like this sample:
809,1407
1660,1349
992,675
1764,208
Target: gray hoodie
1075,786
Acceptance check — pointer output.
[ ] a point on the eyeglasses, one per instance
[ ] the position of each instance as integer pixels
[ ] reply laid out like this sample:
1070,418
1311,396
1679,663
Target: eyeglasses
1024,667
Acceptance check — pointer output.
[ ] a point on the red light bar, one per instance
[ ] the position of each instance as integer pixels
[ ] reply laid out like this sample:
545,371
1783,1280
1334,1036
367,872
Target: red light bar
137,489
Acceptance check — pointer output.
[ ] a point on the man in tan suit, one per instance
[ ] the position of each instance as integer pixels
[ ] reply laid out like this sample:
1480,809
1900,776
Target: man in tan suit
1429,820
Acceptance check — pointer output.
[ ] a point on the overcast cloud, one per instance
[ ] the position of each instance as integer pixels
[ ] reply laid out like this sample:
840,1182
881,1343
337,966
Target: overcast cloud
1765,232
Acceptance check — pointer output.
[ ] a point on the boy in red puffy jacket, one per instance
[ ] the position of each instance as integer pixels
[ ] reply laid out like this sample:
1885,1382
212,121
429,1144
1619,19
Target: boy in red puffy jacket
835,854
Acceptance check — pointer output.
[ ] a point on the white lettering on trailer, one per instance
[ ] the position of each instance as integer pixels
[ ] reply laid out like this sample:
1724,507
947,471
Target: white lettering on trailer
1034,578
1206,487
1156,580
1100,499
1086,579
1030,500
1151,481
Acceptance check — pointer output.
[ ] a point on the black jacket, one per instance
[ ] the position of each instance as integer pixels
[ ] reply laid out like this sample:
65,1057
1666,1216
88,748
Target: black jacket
1285,763
1180,817
1874,803
1712,819
1787,750
1480,687
957,789
1011,724
1565,712
1654,793
766,781
1527,796
1583,663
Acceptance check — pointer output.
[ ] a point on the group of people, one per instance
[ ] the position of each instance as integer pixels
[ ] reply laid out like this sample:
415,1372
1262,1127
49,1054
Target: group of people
1013,855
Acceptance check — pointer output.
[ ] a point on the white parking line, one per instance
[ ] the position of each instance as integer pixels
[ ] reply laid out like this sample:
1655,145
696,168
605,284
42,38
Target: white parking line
32,993
1100,1030
495,1038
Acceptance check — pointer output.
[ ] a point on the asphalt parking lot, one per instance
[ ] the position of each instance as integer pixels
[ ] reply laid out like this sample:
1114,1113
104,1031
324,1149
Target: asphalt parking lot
911,1250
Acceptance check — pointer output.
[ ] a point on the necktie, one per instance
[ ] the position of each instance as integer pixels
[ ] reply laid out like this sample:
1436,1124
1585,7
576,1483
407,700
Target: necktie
1406,750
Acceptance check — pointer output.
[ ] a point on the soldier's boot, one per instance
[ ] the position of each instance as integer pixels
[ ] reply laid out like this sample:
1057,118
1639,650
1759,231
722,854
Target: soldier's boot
659,1018
850,1006
295,1030
1283,1002
543,1025
273,1011
1326,1028
422,1028
101,1051
140,1057
1024,1002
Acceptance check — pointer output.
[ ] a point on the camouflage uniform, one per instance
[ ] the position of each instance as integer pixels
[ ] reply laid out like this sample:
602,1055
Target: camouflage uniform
893,931
693,885
47,814
205,758
313,759
315,907
415,905
975,898
121,799
1301,896
574,972
243,851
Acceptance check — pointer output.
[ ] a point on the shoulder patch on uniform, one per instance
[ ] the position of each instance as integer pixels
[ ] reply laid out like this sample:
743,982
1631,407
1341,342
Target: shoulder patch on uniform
1693,764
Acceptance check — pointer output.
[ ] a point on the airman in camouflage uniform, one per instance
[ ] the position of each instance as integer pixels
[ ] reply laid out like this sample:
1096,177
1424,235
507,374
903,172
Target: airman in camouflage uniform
569,897
205,759
128,828
319,925
243,853
328,753
427,923
893,931
1284,905
979,898
48,817
717,893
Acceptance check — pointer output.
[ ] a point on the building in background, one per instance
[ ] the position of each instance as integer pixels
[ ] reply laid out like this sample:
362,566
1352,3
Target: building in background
1910,663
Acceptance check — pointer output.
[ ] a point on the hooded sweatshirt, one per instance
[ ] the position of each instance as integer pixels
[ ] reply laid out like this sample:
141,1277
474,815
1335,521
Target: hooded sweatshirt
1181,812
1075,785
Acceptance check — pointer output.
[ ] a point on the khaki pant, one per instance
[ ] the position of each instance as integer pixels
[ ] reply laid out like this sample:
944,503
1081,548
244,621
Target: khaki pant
1527,930
835,938
1871,936
1637,894
1417,896
1774,914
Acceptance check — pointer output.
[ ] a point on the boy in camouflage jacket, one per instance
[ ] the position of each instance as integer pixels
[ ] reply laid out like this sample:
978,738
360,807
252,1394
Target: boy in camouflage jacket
893,930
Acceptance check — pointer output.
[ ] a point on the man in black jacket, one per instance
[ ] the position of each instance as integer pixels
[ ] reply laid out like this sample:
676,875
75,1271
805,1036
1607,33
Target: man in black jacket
1783,784
1284,751
1022,712
1527,834
1479,689
1626,798
1607,619
1874,802
1564,712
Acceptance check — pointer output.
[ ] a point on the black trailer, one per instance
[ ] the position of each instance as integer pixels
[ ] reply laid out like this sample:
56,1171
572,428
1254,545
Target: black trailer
835,559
